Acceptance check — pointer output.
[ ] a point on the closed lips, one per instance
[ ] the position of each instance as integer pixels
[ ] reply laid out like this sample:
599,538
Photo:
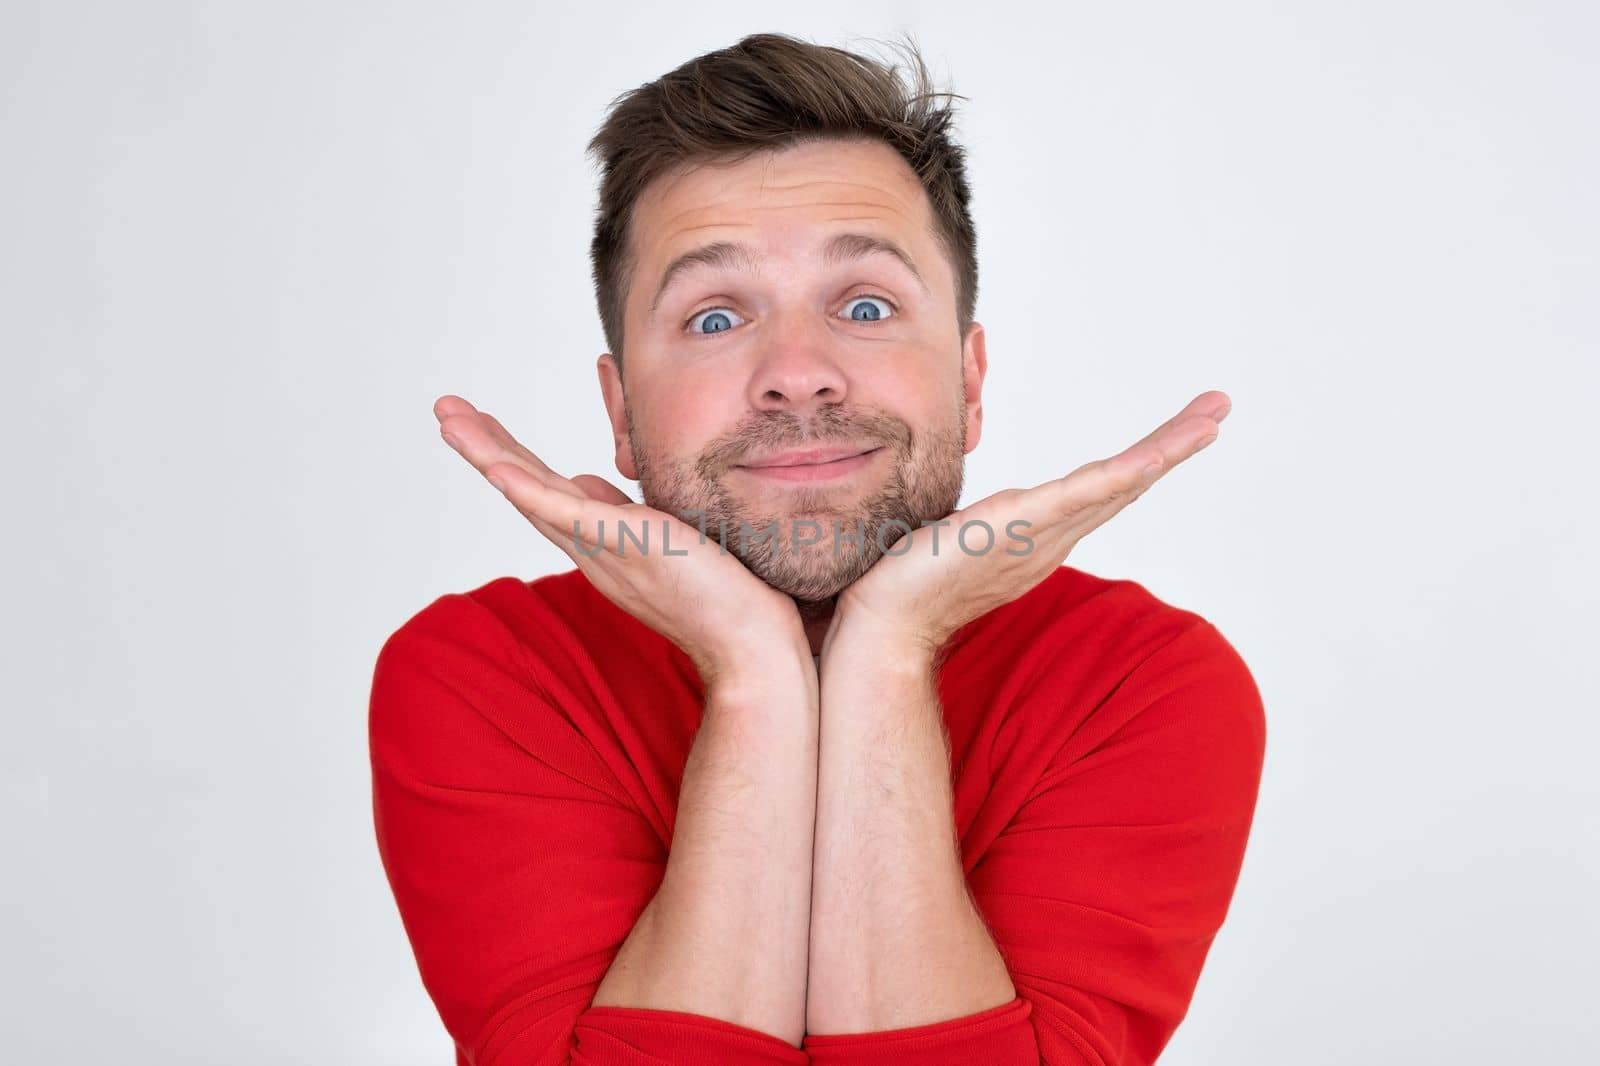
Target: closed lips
811,456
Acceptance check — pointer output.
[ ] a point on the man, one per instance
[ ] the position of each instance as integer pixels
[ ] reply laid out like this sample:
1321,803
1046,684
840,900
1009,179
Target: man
800,766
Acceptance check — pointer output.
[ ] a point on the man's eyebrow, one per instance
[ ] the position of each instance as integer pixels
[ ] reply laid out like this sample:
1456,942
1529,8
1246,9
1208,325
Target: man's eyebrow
846,246
730,255
721,255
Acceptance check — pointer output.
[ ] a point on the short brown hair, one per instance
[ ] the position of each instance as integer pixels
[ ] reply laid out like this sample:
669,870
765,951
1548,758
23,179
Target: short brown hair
770,91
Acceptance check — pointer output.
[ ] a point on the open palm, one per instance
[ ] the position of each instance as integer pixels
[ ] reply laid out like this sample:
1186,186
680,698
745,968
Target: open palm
699,596
925,592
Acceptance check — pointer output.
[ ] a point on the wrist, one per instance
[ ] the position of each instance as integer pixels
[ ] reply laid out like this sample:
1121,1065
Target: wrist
894,644
763,661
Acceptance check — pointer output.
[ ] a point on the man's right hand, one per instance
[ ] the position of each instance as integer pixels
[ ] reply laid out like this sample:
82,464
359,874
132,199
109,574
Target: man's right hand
726,933
705,600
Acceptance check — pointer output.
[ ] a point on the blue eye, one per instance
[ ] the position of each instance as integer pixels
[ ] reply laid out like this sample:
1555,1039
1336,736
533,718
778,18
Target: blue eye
716,319
872,314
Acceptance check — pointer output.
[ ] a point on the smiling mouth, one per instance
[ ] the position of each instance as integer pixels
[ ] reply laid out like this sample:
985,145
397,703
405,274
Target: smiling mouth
785,470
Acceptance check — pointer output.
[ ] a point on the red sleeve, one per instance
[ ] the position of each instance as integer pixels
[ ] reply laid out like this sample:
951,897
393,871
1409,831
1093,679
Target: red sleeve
516,861
1105,891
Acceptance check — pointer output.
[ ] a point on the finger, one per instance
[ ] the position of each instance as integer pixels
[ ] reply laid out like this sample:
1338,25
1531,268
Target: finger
551,533
481,440
1168,445
451,404
1171,442
502,436
1095,491
489,429
1213,405
570,521
598,488
1089,496
517,479
468,417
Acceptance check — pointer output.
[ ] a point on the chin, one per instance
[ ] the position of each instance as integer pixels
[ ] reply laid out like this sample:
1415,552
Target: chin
813,577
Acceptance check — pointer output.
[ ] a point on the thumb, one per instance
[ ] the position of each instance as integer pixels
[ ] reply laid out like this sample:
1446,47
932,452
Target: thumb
598,488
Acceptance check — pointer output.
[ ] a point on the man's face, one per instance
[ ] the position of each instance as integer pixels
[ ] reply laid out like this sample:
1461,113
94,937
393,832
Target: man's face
789,348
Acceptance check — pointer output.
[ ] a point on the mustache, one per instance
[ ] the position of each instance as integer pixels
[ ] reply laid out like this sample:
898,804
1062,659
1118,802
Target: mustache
780,430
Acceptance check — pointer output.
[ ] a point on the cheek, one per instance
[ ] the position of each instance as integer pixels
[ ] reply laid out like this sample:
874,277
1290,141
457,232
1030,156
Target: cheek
911,393
684,421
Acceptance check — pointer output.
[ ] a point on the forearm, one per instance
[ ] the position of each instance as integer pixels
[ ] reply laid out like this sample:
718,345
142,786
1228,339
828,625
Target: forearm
726,934
895,939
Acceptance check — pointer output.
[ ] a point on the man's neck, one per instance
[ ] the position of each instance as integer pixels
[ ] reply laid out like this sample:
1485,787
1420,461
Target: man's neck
816,617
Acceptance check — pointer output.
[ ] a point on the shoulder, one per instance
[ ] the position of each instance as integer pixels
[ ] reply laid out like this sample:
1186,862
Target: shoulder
1095,653
480,668
1074,615
509,621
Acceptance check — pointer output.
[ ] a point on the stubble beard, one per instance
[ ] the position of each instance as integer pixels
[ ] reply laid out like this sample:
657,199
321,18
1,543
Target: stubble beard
923,485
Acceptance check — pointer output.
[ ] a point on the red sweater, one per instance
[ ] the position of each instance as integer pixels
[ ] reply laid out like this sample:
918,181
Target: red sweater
528,740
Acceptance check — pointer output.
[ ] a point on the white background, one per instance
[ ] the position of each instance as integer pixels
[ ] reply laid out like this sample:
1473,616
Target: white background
244,247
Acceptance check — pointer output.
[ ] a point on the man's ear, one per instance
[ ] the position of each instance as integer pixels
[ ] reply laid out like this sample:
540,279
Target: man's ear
617,411
974,366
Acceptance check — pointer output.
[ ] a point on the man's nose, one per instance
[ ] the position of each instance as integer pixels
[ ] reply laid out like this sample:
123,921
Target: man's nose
798,369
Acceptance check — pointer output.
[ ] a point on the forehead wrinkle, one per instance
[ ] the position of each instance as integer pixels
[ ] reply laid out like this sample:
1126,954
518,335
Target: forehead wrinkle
735,194
872,193
718,181
893,208
876,187
672,234
841,247
707,225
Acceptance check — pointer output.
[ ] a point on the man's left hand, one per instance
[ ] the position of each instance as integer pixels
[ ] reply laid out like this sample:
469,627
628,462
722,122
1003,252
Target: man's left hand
915,598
